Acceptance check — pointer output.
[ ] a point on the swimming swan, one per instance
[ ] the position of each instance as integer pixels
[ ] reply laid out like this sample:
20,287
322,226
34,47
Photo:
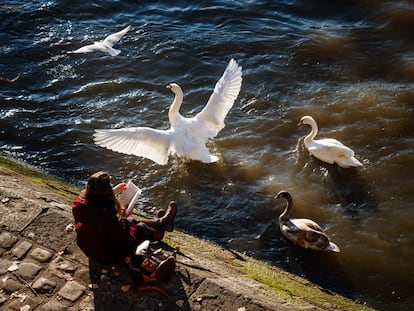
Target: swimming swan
328,150
186,137
105,45
301,231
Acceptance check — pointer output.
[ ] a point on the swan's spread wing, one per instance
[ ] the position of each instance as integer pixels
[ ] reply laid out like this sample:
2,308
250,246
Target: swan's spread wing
115,37
225,93
140,141
87,49
112,51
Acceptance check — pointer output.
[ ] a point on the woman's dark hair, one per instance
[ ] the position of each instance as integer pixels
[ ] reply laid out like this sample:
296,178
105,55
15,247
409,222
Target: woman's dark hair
99,192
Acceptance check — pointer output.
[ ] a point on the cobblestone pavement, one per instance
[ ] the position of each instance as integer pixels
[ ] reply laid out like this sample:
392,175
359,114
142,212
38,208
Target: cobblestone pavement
41,267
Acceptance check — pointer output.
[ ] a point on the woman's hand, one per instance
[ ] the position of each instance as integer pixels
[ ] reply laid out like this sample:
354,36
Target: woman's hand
123,214
119,188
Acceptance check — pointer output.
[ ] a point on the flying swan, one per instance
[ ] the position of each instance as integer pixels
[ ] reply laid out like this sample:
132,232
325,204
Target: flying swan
105,45
328,150
186,137
302,231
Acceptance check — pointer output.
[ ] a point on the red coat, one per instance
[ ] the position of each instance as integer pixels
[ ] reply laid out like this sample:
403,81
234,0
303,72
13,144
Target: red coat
99,233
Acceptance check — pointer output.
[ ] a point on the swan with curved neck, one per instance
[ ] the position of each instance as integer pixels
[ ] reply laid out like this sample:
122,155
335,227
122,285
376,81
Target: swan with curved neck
328,150
186,137
302,231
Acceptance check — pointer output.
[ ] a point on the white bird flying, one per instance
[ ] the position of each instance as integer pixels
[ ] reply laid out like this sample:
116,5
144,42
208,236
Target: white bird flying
328,149
186,137
105,45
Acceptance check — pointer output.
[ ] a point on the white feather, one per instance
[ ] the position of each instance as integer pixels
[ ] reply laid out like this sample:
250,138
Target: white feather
140,141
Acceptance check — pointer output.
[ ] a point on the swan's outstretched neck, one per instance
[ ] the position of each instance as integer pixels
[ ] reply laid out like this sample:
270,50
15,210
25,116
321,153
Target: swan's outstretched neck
176,104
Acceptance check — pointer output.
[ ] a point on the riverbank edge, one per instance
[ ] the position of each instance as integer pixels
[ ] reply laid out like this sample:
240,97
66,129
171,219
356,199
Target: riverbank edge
285,287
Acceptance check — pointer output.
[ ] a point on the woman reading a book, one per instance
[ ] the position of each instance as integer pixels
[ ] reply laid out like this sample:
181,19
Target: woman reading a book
103,235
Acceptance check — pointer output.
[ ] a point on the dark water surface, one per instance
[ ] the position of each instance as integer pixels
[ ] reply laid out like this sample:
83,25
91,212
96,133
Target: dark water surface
350,64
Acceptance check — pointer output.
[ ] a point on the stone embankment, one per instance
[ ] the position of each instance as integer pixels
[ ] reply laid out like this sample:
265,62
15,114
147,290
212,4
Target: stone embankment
41,267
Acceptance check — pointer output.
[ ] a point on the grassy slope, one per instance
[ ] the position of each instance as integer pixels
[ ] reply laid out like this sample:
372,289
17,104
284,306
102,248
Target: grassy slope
38,176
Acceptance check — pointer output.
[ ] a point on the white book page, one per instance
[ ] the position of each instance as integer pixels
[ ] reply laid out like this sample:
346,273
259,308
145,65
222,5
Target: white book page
130,196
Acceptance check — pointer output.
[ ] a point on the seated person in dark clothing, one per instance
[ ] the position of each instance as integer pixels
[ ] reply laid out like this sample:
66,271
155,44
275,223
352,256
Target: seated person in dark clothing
104,236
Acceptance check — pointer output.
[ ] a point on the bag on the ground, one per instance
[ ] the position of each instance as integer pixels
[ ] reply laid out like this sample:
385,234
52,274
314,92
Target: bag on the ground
152,266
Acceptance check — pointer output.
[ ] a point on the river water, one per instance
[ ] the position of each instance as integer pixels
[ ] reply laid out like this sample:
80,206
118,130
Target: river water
349,64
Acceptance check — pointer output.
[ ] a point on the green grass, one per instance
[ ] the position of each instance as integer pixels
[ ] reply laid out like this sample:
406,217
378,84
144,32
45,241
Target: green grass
37,176
295,286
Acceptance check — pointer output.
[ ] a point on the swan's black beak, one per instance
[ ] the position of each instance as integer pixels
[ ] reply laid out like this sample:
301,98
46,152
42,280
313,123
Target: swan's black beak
300,123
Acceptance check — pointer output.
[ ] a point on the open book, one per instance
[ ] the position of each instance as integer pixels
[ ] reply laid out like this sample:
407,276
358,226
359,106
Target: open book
130,196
